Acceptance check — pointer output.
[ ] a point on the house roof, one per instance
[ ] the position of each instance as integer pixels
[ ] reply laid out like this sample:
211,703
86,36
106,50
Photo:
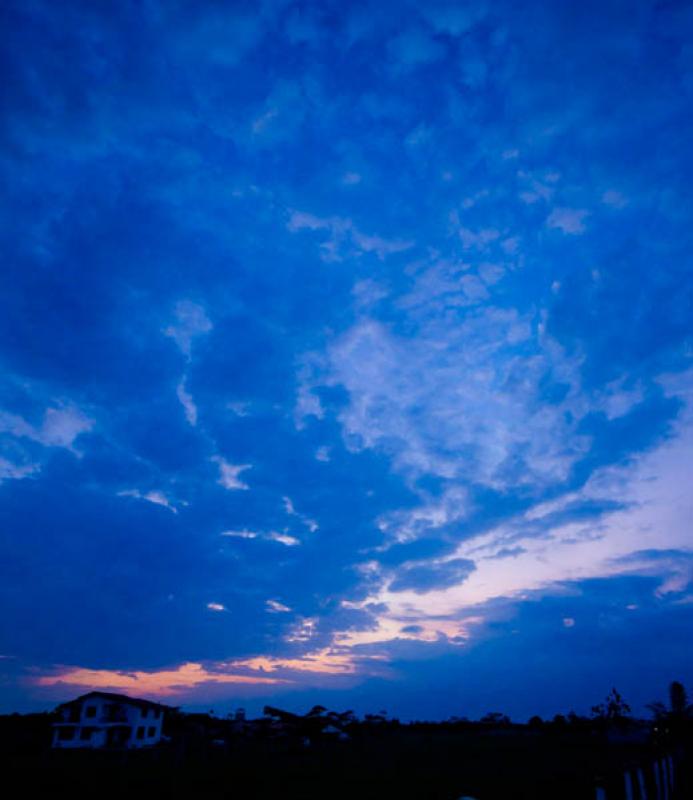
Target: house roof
118,698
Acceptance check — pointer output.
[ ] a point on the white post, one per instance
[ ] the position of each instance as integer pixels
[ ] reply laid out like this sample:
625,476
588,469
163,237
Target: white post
658,782
629,785
665,779
641,784
670,772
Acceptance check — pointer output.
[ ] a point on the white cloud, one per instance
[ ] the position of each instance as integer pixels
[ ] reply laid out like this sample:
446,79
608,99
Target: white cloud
490,274
239,409
283,538
654,518
216,607
155,496
11,471
60,427
408,525
616,401
275,607
311,524
242,534
478,415
187,402
322,454
473,288
191,322
477,240
537,188
568,220
272,536
614,199
228,473
344,238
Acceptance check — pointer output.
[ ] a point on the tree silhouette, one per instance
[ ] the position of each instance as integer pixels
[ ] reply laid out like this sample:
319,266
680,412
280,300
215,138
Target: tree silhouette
679,707
613,709
679,713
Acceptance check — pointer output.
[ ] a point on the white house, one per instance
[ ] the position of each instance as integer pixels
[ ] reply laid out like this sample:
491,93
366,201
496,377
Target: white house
103,719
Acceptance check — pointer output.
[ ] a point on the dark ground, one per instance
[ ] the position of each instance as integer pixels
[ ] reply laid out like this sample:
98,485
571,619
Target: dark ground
391,761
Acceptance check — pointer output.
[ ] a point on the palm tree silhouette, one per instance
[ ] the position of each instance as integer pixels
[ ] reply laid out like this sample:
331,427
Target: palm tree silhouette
679,708
673,721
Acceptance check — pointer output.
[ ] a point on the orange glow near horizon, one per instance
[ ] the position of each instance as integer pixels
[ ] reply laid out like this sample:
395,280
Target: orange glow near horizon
161,683
255,671
324,662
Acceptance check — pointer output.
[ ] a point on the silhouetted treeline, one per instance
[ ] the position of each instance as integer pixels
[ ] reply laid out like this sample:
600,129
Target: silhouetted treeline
336,754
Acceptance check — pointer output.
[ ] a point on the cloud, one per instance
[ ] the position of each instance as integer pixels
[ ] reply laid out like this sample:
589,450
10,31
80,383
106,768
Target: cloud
568,220
598,531
163,683
228,473
477,240
11,471
614,199
508,552
272,536
479,415
422,578
431,514
243,534
322,453
345,238
60,427
155,496
191,322
275,607
283,538
486,385
188,403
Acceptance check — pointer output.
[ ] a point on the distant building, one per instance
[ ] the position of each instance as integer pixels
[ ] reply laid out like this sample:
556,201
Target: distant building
103,719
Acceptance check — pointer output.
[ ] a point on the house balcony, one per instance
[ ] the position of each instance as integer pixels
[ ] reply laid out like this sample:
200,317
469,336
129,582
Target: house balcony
114,717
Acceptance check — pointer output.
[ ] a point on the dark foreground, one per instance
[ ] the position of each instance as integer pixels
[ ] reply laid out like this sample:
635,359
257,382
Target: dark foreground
392,761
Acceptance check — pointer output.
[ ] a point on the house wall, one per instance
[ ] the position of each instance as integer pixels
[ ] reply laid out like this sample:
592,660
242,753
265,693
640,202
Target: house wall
93,725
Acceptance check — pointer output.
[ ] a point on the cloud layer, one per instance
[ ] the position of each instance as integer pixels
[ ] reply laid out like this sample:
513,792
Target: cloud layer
345,349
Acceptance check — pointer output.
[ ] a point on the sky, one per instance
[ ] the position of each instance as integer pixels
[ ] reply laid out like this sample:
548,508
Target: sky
346,354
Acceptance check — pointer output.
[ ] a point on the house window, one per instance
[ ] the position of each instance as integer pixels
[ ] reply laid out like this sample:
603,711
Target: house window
151,732
145,712
157,713
90,712
66,734
140,732
85,734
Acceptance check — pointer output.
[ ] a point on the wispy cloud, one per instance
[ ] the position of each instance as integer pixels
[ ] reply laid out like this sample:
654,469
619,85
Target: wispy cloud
345,238
191,322
186,400
61,425
229,473
478,416
568,220
155,496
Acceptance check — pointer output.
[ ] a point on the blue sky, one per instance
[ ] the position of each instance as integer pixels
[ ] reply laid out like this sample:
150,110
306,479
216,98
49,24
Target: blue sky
346,353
